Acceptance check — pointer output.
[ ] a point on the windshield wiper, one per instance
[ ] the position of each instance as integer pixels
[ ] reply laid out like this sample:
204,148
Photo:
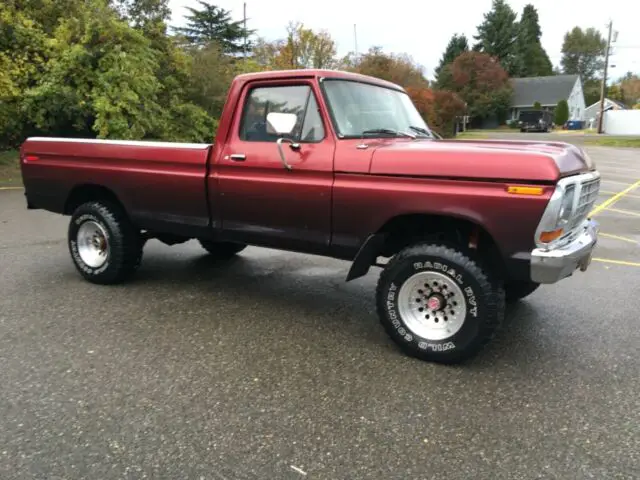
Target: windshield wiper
422,130
387,131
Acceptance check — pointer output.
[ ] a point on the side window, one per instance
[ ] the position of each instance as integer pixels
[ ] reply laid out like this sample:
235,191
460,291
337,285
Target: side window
298,99
312,129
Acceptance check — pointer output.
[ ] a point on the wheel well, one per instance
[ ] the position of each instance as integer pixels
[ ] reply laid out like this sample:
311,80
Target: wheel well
463,234
89,193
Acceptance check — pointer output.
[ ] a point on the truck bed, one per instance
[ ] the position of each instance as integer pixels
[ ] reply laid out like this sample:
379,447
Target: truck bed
157,182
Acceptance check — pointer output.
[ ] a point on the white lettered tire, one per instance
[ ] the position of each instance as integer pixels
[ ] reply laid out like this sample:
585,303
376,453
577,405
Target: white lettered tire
104,246
437,304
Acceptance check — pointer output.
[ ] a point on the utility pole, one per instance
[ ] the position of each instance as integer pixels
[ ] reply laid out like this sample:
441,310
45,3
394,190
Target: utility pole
355,41
245,30
603,87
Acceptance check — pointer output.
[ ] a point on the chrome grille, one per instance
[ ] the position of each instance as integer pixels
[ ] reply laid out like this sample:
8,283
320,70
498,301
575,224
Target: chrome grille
587,192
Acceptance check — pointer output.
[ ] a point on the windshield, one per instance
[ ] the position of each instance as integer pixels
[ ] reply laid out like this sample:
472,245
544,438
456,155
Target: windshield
360,108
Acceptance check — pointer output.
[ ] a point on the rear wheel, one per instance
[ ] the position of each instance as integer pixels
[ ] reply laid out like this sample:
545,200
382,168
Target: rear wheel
221,250
437,304
515,291
105,247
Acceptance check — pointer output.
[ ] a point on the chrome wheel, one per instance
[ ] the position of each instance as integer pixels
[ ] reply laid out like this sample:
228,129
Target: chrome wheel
93,246
432,305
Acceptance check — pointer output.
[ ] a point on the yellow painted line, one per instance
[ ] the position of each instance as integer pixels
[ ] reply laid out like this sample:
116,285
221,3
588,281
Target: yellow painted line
614,199
616,262
618,237
11,188
625,212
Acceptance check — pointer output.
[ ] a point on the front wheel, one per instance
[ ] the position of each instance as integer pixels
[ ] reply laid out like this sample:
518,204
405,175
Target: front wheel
104,245
437,304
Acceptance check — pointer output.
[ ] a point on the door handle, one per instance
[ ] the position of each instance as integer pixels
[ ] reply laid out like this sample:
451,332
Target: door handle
238,157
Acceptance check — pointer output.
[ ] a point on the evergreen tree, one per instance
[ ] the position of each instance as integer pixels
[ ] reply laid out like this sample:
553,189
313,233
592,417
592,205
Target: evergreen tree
561,113
457,45
533,58
214,24
497,36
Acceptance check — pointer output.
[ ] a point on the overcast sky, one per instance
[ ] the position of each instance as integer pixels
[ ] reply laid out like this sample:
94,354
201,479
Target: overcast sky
423,28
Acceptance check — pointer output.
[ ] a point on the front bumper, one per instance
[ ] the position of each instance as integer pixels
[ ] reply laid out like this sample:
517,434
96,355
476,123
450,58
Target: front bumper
550,266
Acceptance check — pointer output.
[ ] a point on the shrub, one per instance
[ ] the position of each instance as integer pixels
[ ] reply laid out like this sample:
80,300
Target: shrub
439,108
561,113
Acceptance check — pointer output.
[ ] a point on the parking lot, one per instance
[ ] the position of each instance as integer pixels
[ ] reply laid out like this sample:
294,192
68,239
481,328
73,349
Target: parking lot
272,367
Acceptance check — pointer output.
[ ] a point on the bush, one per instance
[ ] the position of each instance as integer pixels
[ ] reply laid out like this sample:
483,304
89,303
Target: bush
439,108
561,113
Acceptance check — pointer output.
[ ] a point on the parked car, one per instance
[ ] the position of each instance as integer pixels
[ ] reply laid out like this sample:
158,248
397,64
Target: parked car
340,165
535,121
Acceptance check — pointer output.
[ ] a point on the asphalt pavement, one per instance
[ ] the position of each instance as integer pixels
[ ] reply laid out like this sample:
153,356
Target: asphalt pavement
270,366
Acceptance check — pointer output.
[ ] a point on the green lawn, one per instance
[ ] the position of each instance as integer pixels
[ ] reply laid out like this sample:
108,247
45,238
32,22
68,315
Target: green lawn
474,134
10,169
605,141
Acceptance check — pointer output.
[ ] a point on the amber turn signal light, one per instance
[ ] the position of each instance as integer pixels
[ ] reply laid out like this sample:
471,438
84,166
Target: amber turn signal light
520,190
546,237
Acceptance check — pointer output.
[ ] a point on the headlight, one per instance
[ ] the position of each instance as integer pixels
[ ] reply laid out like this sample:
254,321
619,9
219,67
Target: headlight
556,216
566,207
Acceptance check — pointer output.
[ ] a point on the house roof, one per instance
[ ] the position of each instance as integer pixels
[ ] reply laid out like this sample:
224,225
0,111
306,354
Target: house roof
546,90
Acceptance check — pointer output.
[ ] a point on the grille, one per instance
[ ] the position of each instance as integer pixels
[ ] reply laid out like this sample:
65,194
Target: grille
588,194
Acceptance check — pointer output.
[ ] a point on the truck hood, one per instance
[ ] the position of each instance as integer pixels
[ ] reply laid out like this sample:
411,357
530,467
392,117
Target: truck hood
480,159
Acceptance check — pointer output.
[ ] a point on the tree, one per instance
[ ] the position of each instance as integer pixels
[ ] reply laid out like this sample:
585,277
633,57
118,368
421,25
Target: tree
302,48
614,92
591,90
533,59
399,69
144,14
630,87
214,24
561,113
481,82
497,36
583,53
456,46
537,106
438,108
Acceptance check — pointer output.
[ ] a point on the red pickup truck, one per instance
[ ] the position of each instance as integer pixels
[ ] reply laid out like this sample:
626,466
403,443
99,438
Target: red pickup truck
340,165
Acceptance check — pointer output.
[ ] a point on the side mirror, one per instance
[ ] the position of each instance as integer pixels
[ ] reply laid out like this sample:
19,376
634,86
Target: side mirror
281,123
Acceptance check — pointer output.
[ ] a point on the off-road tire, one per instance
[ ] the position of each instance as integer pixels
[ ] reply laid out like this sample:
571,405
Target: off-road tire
515,291
483,296
221,250
125,245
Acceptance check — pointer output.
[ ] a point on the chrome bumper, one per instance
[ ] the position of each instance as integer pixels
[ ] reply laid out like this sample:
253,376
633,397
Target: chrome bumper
550,266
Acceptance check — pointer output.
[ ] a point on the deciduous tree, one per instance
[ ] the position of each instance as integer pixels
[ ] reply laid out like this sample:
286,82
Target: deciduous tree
481,82
399,69
583,53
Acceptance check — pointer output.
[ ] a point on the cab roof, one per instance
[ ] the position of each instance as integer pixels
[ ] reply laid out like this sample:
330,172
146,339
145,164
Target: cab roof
317,73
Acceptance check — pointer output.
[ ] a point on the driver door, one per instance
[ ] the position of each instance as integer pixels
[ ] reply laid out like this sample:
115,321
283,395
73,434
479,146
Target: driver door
260,200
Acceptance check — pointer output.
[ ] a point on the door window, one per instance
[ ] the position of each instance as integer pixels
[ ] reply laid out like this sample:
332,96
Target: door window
298,99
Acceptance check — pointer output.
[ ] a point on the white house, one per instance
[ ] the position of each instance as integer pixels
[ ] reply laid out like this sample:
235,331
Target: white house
548,91
592,112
